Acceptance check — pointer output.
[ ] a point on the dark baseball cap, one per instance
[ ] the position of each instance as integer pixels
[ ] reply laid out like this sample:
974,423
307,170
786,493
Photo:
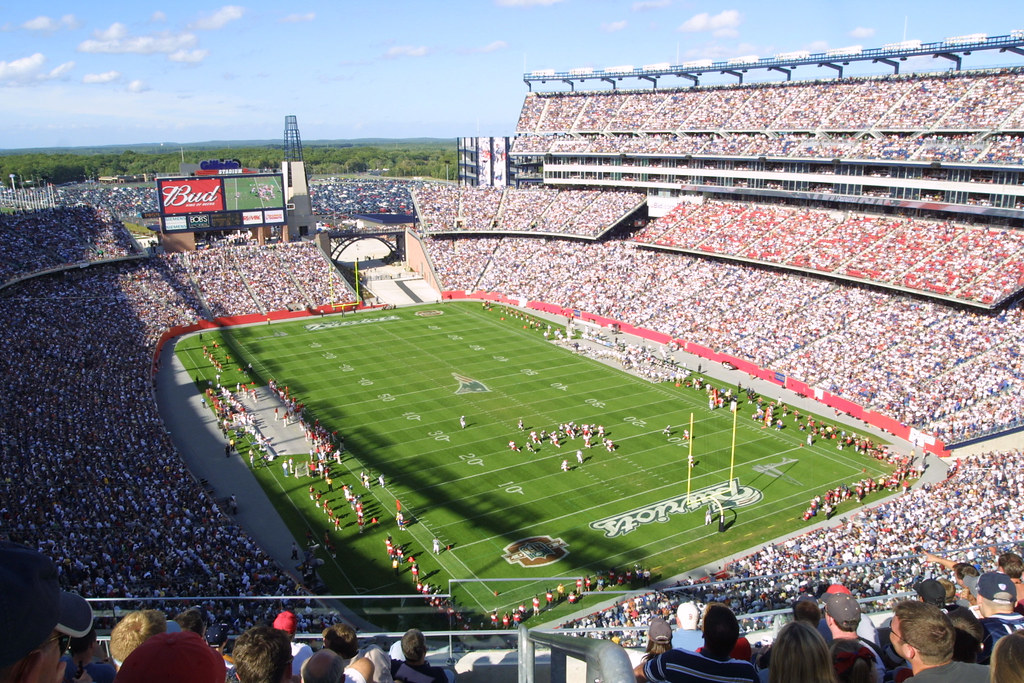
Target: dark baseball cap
997,587
932,592
32,604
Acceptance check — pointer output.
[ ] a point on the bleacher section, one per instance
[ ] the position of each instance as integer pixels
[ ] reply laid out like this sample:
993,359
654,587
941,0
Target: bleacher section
975,264
577,213
966,116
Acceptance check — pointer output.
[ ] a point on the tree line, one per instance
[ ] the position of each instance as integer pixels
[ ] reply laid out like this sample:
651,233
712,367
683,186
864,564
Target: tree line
398,159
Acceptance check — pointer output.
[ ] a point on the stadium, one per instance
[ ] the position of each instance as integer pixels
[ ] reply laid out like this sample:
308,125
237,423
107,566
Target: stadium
828,272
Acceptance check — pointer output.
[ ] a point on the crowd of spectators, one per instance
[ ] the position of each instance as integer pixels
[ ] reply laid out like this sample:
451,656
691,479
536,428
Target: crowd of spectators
949,147
341,198
960,101
876,553
123,201
949,372
251,278
584,213
973,263
49,238
84,451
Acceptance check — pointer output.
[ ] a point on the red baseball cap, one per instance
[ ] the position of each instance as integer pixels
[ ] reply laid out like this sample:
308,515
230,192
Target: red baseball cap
172,658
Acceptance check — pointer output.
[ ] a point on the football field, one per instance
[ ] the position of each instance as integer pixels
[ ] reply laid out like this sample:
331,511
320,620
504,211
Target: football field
395,384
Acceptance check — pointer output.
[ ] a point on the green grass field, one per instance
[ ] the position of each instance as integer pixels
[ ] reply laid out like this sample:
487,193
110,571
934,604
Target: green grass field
247,192
395,383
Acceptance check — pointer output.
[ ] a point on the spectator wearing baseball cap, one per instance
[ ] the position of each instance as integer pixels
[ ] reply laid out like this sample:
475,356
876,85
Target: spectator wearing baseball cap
996,598
286,621
931,592
866,629
687,635
171,658
659,639
36,617
217,638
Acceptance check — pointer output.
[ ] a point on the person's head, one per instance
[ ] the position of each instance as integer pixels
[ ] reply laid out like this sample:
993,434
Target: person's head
325,666
191,620
263,654
342,639
996,594
799,653
83,645
659,638
171,658
806,610
1011,564
1007,664
967,634
286,621
931,591
36,616
217,636
853,661
950,590
922,634
688,616
842,614
414,646
721,630
135,629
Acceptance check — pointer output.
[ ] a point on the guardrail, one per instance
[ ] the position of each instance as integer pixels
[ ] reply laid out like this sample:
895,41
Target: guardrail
606,661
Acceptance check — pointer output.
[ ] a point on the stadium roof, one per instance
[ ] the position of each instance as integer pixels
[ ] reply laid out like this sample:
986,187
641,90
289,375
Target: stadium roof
387,218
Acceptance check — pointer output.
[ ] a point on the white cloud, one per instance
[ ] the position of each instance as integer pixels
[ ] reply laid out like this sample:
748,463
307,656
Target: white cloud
116,41
30,70
137,86
407,51
862,32
722,25
298,18
644,5
219,19
188,56
525,3
490,47
106,77
115,31
46,24
158,17
613,26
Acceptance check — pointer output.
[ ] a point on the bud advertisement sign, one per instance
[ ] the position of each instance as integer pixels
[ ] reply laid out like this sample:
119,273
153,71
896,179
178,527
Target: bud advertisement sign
192,195
224,202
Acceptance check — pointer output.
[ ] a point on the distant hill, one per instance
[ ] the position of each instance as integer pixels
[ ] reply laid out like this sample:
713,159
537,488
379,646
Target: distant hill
165,147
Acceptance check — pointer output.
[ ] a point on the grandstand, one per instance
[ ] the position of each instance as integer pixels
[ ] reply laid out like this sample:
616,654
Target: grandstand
860,237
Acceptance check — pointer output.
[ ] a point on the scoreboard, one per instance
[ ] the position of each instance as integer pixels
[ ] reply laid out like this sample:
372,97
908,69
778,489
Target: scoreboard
221,202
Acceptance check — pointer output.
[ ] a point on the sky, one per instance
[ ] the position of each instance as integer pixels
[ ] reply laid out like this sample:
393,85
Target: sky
120,73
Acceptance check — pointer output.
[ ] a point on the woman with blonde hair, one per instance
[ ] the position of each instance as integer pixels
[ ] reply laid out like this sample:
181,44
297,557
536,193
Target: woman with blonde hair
800,655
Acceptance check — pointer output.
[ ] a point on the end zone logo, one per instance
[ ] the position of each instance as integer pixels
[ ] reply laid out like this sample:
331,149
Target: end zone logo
535,551
428,314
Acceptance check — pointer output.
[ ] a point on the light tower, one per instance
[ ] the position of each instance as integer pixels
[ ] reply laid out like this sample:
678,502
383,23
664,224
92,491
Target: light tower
292,141
301,221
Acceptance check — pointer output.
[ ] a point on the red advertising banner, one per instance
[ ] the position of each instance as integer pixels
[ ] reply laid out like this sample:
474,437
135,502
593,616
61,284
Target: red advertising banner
191,195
